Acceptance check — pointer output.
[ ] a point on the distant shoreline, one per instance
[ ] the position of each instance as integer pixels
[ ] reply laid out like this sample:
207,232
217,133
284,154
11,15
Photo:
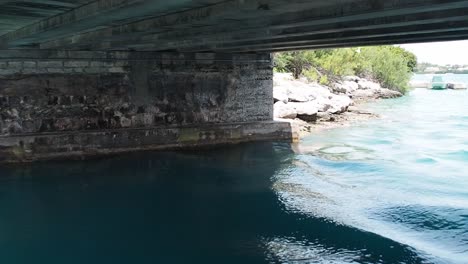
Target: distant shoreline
423,80
465,72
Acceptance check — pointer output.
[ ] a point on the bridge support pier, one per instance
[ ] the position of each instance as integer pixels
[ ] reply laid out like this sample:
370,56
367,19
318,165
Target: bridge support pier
75,104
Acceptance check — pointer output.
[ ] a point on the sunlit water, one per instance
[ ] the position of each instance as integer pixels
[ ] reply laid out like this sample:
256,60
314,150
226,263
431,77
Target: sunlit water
392,190
404,177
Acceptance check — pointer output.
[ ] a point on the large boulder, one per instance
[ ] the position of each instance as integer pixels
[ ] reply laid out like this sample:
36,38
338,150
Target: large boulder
307,108
282,110
299,93
339,88
306,111
323,104
361,94
346,87
368,85
297,90
304,100
280,94
352,78
351,86
385,93
339,104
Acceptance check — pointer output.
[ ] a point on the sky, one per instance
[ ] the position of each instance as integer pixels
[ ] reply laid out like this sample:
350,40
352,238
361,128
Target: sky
441,53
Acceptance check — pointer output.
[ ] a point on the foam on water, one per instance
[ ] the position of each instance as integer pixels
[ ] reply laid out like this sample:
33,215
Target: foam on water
393,190
404,177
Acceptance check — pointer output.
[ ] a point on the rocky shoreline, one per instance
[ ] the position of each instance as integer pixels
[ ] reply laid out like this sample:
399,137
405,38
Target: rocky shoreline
310,107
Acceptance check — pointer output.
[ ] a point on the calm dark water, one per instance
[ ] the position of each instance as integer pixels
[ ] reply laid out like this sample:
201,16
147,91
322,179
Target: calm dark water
388,191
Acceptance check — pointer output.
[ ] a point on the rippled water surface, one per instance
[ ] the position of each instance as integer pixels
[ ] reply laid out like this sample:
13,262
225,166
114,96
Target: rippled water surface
403,177
392,190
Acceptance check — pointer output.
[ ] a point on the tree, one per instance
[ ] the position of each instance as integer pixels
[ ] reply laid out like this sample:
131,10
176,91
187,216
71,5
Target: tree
391,65
411,59
294,61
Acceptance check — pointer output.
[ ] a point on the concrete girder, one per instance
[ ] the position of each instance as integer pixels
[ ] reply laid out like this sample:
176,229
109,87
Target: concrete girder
233,25
100,13
174,40
408,39
187,20
402,31
269,28
17,14
378,25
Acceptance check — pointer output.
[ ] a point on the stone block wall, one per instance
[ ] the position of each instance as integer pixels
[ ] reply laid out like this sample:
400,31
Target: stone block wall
77,104
59,91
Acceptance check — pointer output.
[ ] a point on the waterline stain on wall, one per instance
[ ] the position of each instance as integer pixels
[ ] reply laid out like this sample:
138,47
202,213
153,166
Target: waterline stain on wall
76,92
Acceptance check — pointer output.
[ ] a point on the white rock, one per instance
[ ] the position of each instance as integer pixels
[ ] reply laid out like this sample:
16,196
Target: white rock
282,110
299,93
297,90
306,111
307,108
385,93
280,94
352,78
279,77
351,86
339,104
365,85
339,88
364,93
374,86
347,87
323,104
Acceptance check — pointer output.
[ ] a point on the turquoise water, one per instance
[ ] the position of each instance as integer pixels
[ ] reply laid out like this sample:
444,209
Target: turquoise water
392,190
404,177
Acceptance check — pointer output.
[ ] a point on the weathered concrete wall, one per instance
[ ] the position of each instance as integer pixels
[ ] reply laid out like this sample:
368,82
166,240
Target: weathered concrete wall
47,94
88,90
84,144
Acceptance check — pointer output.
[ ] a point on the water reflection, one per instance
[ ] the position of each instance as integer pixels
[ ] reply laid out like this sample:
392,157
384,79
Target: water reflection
228,205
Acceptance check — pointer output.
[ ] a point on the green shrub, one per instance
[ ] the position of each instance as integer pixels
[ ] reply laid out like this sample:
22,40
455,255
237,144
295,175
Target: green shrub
311,74
390,65
324,80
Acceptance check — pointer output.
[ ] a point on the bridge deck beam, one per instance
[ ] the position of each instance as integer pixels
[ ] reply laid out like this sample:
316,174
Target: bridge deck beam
233,25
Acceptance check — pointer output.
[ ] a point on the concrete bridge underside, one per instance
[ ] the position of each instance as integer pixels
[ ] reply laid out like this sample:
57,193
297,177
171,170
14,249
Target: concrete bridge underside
227,25
90,77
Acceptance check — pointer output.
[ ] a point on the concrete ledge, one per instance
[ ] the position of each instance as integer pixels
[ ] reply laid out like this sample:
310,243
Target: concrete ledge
86,144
